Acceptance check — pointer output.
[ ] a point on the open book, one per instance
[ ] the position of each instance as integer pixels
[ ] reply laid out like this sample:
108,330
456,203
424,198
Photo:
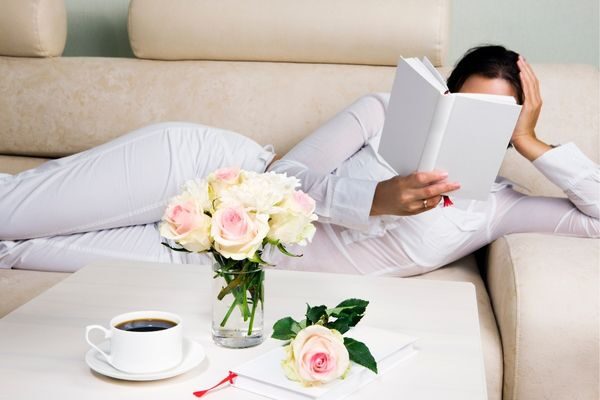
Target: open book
264,375
427,128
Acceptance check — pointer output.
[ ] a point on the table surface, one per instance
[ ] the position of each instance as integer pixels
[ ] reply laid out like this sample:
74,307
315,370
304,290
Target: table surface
42,345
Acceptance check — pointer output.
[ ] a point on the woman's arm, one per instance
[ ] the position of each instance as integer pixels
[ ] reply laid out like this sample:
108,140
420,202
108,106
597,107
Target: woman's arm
348,201
524,138
565,166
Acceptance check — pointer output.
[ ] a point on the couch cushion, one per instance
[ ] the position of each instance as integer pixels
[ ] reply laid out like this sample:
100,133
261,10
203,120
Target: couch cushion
466,270
333,31
55,107
544,291
32,28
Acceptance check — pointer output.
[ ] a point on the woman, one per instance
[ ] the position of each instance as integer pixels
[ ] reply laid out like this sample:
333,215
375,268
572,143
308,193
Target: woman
103,204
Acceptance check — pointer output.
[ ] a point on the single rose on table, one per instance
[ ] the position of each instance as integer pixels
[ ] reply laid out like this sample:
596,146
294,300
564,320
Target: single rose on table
316,355
317,352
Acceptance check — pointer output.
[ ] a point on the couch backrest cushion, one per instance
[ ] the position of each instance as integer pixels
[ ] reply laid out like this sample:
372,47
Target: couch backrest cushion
55,107
371,32
32,28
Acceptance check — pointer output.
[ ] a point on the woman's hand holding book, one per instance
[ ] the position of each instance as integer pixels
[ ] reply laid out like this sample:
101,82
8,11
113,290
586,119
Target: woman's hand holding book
412,194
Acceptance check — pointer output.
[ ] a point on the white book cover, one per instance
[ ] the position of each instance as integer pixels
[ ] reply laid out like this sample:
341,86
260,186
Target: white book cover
264,375
428,128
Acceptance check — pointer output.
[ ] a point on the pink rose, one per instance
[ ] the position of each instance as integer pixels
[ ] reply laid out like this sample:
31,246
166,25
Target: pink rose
223,178
185,222
238,234
301,202
316,355
228,175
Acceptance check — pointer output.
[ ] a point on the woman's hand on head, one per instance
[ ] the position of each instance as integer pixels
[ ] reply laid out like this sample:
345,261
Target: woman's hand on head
412,194
524,138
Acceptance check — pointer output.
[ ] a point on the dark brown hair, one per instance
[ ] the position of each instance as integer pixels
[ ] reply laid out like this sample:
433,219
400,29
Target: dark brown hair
490,61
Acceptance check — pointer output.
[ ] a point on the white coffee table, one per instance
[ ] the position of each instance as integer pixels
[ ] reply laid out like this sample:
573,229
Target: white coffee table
42,344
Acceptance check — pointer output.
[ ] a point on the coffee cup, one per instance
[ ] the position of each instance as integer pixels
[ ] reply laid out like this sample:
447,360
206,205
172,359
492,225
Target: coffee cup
142,341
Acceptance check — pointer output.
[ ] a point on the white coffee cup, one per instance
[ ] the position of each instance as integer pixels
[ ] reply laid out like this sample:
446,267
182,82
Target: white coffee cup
141,352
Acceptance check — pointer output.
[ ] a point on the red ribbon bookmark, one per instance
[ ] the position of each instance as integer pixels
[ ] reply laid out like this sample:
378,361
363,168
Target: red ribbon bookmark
447,201
230,378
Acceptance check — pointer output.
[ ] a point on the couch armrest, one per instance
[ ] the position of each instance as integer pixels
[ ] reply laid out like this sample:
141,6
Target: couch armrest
544,291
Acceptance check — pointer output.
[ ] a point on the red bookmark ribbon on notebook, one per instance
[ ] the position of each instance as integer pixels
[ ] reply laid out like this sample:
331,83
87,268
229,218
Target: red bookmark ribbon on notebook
447,201
229,378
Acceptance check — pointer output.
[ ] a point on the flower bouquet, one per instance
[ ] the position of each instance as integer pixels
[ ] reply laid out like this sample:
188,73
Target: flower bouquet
234,215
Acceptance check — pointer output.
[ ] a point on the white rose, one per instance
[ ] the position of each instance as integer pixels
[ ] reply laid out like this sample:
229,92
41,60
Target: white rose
292,228
197,191
237,234
260,192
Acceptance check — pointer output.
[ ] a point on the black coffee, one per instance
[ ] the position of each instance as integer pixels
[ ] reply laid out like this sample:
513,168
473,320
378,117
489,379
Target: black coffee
145,325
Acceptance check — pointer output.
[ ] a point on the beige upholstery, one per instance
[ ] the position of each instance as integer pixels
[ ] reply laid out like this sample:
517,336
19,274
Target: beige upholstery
332,31
32,28
71,104
466,270
544,291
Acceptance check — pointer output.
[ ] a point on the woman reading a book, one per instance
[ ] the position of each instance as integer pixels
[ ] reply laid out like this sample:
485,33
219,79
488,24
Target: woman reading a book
104,203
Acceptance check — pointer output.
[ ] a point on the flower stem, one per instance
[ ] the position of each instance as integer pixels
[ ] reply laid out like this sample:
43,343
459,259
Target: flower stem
251,324
233,304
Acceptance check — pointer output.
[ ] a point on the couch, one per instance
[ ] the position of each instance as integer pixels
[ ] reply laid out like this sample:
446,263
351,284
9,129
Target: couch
274,70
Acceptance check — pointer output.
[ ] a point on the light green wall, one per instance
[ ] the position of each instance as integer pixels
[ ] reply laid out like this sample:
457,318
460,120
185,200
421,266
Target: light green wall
556,31
548,31
97,28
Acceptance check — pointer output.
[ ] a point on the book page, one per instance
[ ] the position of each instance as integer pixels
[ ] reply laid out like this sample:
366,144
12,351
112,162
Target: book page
408,118
423,70
435,73
436,133
474,144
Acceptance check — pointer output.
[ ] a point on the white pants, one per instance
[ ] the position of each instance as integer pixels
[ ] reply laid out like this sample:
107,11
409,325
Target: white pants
102,196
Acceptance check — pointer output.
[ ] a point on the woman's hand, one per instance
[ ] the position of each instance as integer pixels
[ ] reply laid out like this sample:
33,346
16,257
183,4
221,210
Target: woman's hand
412,194
523,137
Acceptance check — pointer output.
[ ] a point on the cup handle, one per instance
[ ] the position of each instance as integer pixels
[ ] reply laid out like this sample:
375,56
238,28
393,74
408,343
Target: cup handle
107,335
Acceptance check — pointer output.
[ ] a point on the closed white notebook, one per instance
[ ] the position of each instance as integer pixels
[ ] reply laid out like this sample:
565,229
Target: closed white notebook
264,375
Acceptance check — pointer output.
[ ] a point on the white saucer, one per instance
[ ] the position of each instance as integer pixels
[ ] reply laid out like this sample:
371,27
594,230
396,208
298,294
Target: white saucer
193,354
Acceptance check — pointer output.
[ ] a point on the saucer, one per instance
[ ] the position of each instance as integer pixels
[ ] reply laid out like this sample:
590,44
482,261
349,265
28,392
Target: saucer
193,354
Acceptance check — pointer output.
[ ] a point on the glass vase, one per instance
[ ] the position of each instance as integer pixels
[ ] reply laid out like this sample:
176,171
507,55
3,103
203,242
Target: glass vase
238,299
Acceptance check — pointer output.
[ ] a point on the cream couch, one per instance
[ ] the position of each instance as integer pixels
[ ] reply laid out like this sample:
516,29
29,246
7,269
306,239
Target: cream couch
275,70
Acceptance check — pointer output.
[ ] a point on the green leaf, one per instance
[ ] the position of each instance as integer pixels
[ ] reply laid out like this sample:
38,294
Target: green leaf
360,353
256,258
175,248
282,249
285,329
352,309
341,325
314,314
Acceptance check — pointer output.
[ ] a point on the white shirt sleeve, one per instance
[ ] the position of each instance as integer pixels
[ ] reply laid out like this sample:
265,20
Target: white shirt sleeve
578,176
339,200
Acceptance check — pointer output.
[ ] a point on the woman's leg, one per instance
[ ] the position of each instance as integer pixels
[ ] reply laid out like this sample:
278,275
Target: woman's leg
69,253
126,181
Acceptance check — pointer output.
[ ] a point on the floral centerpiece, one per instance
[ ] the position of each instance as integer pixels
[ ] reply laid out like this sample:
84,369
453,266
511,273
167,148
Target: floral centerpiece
235,215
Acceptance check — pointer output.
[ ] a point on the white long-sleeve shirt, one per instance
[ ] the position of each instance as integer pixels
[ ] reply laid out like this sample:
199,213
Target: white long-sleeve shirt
339,167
